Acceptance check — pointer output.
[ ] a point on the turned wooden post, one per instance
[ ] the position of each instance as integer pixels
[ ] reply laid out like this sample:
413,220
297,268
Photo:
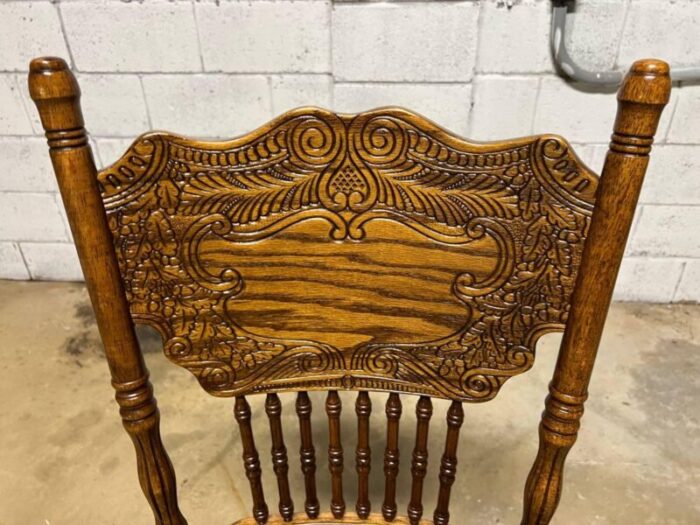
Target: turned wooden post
57,96
641,99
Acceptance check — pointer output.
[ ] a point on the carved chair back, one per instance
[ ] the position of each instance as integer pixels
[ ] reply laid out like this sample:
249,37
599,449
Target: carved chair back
368,252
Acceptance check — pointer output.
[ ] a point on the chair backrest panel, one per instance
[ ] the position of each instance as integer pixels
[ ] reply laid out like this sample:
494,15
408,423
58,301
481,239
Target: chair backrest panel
372,251
380,219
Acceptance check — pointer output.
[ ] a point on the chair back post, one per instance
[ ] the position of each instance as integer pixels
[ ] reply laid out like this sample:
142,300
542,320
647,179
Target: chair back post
56,94
641,99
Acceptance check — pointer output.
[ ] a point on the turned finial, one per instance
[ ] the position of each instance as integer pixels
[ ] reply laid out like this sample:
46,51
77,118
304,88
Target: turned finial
56,93
643,94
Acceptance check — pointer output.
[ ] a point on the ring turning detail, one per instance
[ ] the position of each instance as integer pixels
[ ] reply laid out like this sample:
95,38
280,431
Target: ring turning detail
367,252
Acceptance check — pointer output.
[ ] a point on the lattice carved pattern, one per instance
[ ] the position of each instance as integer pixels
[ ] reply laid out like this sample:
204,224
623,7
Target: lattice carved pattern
168,195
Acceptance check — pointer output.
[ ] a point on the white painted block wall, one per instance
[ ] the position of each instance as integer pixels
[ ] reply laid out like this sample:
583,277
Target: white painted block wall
220,68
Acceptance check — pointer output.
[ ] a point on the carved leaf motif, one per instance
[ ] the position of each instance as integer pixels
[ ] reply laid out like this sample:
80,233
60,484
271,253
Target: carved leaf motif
538,240
168,194
449,197
559,215
246,196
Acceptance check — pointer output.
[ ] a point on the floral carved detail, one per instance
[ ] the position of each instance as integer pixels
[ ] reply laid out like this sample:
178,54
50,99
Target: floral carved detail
168,195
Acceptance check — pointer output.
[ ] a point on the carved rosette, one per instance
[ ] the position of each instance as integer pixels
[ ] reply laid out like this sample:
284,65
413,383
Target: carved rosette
168,194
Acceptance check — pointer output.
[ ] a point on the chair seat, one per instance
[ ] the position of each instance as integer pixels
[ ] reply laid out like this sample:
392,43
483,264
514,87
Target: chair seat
328,519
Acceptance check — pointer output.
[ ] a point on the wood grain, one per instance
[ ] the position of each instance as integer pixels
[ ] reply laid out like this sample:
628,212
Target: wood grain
374,251
57,96
307,454
327,519
641,99
251,459
280,464
448,463
391,455
419,461
335,453
363,454
393,286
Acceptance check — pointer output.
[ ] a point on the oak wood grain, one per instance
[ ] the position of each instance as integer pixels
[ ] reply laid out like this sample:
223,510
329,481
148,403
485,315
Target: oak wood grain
392,453
328,251
419,460
251,459
335,453
374,251
641,99
327,518
280,462
56,94
307,454
363,454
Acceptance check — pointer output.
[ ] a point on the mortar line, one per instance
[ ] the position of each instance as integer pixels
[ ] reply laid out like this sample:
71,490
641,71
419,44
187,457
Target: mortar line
331,58
24,259
42,241
199,37
208,72
64,33
535,109
472,93
272,108
26,108
667,131
616,63
145,103
635,225
64,216
684,264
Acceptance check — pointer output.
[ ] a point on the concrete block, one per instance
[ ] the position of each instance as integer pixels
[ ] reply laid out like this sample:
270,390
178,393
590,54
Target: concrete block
514,38
593,155
670,231
113,104
11,262
13,117
667,116
685,125
64,216
224,105
25,165
293,91
110,150
584,27
578,113
107,36
419,42
49,261
667,30
673,176
29,30
264,37
30,217
689,286
647,279
503,107
446,104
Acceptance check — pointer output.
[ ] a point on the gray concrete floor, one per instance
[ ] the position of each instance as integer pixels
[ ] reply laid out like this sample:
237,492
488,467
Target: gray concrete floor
64,458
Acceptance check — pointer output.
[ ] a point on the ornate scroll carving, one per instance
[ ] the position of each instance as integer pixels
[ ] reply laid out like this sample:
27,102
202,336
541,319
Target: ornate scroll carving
169,198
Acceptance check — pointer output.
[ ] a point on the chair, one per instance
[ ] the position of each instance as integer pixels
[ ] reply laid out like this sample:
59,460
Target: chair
368,252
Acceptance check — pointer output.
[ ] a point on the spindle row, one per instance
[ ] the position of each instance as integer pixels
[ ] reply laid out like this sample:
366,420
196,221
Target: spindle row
363,457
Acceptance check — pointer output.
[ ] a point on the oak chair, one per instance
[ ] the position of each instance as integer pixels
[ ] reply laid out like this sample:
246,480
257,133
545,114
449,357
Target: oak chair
368,252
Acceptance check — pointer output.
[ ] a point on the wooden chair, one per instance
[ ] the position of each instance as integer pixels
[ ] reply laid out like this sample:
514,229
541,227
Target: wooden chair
368,252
